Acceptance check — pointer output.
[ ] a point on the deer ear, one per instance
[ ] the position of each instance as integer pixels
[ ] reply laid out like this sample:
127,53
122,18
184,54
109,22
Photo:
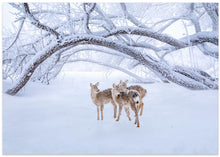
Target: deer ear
97,84
113,85
120,81
90,84
126,81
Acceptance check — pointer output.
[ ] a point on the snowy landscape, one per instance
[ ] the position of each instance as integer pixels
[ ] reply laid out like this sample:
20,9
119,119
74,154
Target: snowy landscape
53,51
61,119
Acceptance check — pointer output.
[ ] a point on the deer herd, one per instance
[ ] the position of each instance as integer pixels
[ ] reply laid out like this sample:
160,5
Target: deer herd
120,95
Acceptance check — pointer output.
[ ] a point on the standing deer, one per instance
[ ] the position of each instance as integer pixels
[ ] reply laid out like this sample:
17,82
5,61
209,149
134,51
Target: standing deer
100,98
138,88
126,99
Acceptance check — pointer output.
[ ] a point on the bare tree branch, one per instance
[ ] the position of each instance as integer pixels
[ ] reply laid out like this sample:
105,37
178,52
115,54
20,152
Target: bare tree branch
37,23
17,35
131,43
212,10
148,33
130,17
87,15
111,25
160,68
195,39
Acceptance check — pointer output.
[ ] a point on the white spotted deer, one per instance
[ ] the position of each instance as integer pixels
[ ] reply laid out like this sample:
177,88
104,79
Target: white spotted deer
126,99
100,98
138,88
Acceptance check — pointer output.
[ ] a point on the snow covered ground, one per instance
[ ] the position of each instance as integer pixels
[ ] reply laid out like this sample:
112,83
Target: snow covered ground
61,119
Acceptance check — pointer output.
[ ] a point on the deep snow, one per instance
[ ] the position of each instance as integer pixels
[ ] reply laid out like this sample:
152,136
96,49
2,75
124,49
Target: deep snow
61,119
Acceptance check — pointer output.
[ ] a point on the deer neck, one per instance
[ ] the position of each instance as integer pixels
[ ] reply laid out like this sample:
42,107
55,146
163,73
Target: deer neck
94,94
114,96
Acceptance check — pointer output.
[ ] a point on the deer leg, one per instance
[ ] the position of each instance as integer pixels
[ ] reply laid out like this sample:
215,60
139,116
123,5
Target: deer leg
115,108
133,107
102,107
141,107
115,111
97,112
137,121
128,112
119,112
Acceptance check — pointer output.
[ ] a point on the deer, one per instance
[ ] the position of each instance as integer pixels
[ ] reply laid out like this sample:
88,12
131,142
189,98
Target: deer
127,99
138,88
100,98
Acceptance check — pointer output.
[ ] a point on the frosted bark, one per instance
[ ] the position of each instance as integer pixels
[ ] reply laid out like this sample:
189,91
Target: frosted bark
198,38
37,23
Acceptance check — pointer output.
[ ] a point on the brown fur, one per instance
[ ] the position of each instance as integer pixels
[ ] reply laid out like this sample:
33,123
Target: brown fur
140,90
100,98
125,99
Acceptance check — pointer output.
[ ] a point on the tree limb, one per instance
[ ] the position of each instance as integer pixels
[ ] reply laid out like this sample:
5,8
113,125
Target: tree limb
87,15
131,17
17,35
155,66
37,23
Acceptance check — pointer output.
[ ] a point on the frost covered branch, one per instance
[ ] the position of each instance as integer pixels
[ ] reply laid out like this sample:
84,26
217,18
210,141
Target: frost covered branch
124,38
17,35
87,15
37,23
159,68
198,38
131,17
212,10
